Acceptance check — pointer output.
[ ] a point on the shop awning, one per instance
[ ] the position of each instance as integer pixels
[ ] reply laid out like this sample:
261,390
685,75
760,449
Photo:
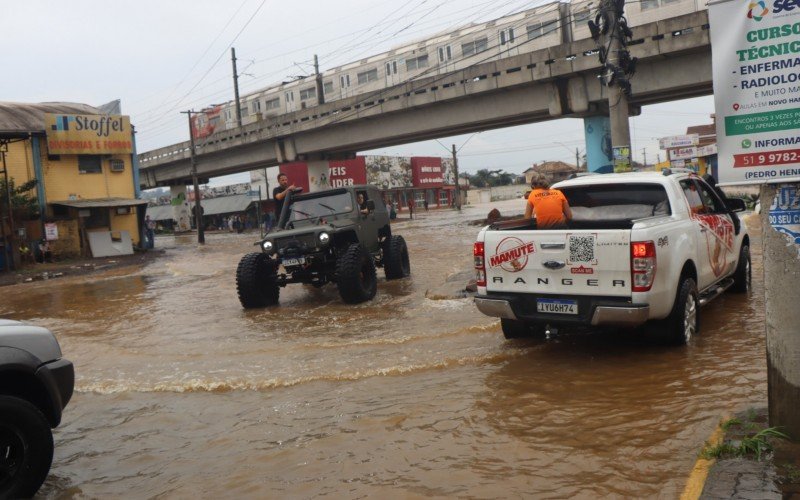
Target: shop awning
226,204
100,203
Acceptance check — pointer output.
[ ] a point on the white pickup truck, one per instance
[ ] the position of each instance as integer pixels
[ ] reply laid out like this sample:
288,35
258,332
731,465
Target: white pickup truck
641,247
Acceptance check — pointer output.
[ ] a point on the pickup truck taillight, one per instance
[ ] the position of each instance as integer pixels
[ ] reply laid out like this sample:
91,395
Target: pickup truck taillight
480,264
643,265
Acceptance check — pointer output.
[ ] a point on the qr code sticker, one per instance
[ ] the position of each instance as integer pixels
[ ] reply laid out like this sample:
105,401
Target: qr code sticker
581,249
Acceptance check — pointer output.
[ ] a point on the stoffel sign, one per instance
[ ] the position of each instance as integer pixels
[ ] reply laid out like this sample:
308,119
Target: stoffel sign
427,172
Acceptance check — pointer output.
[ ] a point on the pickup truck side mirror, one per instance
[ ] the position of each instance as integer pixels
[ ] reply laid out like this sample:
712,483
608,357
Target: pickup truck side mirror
371,205
736,204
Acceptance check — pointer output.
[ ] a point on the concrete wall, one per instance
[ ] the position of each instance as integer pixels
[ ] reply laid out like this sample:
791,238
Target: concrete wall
484,195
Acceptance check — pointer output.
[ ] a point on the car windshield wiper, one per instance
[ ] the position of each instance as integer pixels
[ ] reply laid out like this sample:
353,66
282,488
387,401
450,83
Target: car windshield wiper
301,212
328,207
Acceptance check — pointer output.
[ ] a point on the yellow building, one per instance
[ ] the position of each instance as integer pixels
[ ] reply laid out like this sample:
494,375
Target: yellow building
85,165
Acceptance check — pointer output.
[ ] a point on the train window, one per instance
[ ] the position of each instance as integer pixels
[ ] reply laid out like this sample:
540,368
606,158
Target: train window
274,103
228,115
475,46
290,97
327,87
308,93
256,107
345,81
417,62
582,16
367,76
506,36
445,54
243,109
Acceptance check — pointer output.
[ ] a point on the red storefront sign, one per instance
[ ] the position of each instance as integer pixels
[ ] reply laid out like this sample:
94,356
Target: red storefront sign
347,172
427,172
297,173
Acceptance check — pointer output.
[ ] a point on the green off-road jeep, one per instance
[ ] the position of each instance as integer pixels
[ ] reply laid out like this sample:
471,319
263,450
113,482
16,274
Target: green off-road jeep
325,237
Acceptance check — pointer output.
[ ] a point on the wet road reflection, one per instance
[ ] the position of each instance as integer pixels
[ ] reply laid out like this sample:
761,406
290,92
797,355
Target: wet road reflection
182,393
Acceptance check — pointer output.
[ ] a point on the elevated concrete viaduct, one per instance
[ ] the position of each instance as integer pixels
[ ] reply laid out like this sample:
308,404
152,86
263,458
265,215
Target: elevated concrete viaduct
561,81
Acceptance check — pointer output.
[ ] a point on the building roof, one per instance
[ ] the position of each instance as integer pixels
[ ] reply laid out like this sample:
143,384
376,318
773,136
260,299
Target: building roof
211,206
20,119
554,167
702,130
100,203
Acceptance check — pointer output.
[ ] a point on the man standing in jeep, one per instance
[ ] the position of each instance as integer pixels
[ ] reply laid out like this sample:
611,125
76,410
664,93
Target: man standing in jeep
279,193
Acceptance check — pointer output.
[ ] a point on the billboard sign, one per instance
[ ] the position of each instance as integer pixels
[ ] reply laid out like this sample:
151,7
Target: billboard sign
427,172
682,153
88,134
679,141
332,174
756,90
389,172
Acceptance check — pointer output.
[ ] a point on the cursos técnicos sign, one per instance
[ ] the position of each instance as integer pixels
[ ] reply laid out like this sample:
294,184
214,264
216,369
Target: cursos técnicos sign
756,68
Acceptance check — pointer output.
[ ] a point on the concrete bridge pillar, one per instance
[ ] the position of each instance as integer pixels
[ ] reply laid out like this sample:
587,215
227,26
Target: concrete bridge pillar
180,208
599,156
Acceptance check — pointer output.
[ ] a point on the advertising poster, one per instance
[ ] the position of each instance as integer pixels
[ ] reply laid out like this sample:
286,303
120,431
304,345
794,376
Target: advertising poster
756,69
622,158
449,171
51,231
784,214
427,172
389,172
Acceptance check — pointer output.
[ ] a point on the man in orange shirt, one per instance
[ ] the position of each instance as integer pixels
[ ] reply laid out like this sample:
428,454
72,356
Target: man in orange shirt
549,205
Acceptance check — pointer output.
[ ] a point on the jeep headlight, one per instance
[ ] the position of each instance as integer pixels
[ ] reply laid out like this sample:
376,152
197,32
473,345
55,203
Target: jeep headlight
324,238
267,246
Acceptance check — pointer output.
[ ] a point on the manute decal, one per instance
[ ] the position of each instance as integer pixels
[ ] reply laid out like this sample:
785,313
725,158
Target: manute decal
511,254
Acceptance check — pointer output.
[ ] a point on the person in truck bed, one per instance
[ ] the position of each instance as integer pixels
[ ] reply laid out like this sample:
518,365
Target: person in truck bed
549,205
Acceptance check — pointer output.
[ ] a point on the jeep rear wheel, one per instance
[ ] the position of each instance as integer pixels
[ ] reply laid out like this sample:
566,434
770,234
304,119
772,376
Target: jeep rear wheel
26,448
395,258
256,281
355,275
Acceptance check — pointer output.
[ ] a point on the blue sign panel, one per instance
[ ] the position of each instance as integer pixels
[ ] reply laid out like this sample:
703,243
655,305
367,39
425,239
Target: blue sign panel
599,155
784,214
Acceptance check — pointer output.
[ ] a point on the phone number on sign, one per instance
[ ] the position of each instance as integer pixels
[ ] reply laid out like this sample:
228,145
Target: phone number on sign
774,158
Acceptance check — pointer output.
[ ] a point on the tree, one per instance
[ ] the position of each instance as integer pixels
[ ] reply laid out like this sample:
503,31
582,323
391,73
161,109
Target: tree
491,178
24,204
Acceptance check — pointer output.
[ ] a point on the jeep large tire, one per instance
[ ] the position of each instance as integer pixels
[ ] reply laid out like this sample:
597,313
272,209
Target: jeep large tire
26,448
256,281
355,275
683,321
395,258
743,274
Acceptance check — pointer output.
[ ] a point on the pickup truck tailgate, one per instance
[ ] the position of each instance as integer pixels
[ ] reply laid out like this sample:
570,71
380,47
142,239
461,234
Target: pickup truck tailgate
560,262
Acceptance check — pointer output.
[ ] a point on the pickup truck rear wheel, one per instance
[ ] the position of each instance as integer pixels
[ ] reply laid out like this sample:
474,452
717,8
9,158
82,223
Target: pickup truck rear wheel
395,258
683,321
356,277
256,281
26,448
743,274
517,329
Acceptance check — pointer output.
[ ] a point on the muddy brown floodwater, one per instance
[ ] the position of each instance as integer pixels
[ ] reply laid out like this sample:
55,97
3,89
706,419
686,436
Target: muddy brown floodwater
181,393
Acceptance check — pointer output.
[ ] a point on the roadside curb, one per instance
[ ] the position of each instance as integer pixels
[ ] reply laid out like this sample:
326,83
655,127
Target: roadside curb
697,478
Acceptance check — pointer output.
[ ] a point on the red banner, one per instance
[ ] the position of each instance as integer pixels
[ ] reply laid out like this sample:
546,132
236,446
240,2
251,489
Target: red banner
347,172
765,159
427,172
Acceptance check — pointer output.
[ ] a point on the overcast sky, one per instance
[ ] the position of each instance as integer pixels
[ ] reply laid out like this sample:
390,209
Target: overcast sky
161,57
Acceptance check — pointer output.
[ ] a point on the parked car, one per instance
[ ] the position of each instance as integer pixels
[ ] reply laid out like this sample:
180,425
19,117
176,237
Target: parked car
36,384
641,248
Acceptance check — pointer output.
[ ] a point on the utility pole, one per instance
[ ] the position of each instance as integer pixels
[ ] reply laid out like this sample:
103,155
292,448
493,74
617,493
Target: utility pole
318,77
577,159
198,209
617,98
612,34
644,154
8,239
458,181
236,88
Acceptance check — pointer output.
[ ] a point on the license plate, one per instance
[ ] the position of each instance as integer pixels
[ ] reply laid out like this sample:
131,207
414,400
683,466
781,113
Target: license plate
557,306
293,262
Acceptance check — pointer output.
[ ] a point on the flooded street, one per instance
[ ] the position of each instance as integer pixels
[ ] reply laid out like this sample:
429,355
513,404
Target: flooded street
181,393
